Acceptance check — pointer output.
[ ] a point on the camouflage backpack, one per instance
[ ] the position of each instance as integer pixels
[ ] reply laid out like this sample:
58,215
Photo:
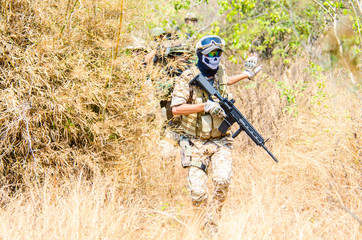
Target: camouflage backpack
179,58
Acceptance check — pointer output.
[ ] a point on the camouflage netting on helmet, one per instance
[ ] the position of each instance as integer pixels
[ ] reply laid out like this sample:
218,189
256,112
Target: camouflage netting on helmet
177,49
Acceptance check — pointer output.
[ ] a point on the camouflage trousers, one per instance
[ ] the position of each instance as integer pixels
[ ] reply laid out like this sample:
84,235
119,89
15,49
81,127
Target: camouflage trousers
216,155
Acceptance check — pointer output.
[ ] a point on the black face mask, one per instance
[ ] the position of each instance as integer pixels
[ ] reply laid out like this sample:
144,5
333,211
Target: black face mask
204,69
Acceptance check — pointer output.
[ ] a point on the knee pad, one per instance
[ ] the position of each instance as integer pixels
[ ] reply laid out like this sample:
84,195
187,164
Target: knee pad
220,190
198,196
221,184
199,203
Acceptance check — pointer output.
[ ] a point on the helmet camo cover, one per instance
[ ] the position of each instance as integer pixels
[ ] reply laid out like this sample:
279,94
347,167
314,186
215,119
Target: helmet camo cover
191,16
158,31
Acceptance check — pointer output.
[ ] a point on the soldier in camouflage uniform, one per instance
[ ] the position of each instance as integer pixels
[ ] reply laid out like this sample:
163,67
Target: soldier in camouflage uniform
159,36
202,145
191,21
173,57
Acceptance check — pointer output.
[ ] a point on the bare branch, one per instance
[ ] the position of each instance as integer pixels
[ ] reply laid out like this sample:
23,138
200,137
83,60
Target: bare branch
359,7
321,5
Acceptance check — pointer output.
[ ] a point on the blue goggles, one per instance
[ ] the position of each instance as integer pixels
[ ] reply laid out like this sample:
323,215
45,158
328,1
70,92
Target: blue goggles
208,41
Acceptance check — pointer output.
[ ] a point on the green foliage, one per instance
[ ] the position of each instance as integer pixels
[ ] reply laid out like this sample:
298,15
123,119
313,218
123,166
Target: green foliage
291,93
185,4
269,27
179,4
294,92
278,28
316,72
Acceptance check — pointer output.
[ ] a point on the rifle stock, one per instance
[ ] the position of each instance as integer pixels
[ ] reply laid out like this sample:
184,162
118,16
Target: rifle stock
233,115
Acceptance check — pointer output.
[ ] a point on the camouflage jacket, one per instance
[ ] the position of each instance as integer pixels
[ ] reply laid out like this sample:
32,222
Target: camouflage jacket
200,125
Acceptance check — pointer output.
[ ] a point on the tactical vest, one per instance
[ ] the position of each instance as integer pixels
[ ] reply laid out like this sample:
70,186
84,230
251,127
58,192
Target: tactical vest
203,125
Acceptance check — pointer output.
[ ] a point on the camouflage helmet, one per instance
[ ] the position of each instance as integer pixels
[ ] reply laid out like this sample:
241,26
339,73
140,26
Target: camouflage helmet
137,44
170,29
177,49
210,43
156,32
191,16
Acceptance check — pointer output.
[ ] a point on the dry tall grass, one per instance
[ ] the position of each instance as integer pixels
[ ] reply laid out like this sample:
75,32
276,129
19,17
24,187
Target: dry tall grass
79,148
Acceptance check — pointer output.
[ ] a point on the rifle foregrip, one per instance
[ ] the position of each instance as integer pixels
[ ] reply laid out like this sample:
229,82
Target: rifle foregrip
237,133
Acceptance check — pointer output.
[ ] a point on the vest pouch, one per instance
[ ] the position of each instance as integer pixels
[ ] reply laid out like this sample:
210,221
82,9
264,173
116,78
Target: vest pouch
216,124
186,152
164,113
206,126
189,124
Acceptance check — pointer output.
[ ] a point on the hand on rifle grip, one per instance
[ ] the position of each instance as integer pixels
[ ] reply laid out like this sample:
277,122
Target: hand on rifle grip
214,109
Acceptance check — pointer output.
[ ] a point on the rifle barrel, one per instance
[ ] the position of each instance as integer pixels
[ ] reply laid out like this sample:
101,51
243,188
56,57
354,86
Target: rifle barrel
266,149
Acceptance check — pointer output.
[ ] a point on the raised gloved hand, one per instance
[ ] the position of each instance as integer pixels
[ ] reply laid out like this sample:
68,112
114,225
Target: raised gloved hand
251,66
214,109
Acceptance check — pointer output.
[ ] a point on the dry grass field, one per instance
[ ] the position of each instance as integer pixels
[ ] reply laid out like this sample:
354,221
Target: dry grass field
80,128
